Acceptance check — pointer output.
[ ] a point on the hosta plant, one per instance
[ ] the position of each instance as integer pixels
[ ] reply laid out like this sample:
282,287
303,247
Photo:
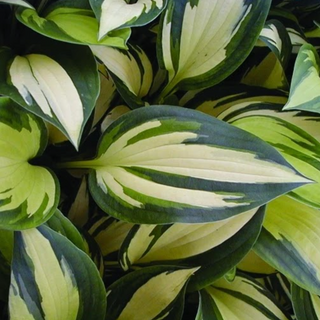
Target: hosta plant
159,159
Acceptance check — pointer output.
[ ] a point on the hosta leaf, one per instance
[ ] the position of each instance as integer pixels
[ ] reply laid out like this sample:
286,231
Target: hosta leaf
108,232
243,298
276,37
69,22
18,3
305,304
59,223
59,86
300,149
252,263
28,194
118,14
202,42
165,164
130,70
305,82
160,286
52,279
151,243
230,103
289,241
113,115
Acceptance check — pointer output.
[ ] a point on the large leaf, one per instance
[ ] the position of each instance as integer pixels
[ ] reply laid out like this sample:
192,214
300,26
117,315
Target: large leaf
52,279
130,70
70,21
202,42
243,298
161,287
300,149
118,14
165,164
289,241
58,82
305,84
306,305
28,194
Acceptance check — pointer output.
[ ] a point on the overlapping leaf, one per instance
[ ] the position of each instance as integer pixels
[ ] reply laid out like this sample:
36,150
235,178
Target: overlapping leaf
28,194
289,241
70,21
306,305
130,70
243,298
52,279
58,83
202,42
305,84
127,297
118,14
165,164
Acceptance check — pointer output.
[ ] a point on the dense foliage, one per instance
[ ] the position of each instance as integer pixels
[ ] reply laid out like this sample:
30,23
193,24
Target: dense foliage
159,159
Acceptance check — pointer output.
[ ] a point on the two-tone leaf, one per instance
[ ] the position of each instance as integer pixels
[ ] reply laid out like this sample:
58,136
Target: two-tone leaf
52,279
289,241
172,243
59,83
300,149
305,304
29,194
243,298
201,42
17,3
118,14
70,21
163,288
130,70
305,84
165,164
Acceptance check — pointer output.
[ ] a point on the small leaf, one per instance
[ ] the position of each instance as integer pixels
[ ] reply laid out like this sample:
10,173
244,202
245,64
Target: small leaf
159,286
21,3
203,42
117,14
243,298
306,305
130,70
305,82
289,241
59,86
52,279
66,21
28,194
165,164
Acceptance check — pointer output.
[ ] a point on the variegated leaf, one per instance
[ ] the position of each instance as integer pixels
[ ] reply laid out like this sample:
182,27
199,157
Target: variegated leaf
71,22
118,14
162,287
29,194
230,103
165,164
164,244
21,3
300,149
113,115
202,42
52,279
130,70
243,298
61,87
305,83
289,241
305,304
276,37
